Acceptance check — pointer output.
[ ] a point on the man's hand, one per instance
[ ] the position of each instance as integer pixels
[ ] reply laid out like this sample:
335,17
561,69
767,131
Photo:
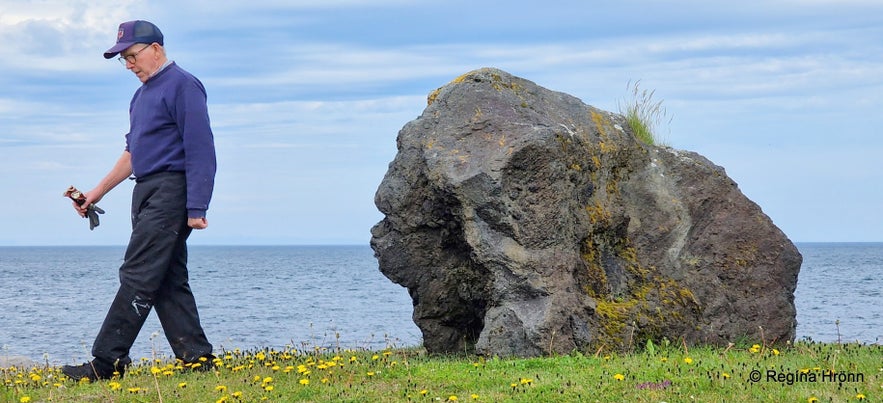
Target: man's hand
84,205
91,197
197,223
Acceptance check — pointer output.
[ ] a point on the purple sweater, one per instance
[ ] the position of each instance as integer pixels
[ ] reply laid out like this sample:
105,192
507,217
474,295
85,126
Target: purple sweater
170,132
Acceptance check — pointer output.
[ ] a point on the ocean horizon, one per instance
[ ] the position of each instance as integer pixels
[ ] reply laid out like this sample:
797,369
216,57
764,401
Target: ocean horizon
53,298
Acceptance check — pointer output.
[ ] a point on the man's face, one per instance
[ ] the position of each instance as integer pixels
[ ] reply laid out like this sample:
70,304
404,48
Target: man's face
142,59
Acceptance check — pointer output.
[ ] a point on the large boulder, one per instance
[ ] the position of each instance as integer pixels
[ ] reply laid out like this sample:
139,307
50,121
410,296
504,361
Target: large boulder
524,222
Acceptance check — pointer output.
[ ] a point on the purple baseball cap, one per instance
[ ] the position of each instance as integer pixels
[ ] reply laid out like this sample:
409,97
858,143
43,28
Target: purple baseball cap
132,32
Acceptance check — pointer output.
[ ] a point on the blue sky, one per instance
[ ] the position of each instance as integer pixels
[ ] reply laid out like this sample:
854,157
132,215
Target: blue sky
306,99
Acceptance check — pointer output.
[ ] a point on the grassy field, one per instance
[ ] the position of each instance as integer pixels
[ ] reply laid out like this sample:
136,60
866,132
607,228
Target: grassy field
803,372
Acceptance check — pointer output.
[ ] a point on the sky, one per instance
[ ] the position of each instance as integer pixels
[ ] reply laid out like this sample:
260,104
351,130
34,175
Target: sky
306,99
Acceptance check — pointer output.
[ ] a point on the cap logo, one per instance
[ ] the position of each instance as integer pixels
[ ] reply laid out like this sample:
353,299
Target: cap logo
120,34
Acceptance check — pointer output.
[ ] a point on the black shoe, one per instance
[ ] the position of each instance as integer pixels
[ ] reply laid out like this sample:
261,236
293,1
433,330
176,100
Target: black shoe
203,364
92,370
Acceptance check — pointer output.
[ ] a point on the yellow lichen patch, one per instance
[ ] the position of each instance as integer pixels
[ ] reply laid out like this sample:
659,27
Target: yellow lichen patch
612,188
617,312
595,274
432,96
462,77
606,147
687,297
601,123
598,214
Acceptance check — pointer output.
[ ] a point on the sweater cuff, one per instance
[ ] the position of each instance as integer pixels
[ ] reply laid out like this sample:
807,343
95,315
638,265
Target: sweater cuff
195,213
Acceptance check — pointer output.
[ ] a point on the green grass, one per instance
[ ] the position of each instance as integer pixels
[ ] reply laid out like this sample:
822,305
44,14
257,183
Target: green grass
656,374
643,114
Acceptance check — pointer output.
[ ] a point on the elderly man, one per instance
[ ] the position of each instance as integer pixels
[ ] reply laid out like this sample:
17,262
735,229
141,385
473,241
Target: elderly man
170,151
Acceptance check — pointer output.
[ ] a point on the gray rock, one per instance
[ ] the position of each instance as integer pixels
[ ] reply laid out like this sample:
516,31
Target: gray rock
524,222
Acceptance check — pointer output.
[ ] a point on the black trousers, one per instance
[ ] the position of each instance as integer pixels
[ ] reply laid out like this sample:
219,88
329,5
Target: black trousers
154,275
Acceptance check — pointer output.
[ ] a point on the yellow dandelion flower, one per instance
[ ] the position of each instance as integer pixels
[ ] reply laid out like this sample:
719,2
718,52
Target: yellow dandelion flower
221,400
513,385
812,399
688,360
755,348
474,396
155,370
387,353
25,399
237,394
860,396
221,388
375,357
134,390
260,356
114,386
423,392
182,385
725,375
267,380
304,381
370,373
452,398
324,380
276,368
36,377
526,381
353,359
268,388
619,377
775,352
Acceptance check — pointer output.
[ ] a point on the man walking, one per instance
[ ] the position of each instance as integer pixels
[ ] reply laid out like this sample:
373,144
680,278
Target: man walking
170,151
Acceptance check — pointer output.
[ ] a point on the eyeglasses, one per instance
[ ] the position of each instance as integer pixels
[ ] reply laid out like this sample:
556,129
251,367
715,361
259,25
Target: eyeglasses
131,58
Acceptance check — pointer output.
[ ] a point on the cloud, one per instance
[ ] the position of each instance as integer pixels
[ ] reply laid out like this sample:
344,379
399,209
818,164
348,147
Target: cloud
50,29
306,97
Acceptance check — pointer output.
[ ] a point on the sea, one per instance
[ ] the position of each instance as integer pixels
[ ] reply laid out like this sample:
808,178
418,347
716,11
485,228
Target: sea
53,299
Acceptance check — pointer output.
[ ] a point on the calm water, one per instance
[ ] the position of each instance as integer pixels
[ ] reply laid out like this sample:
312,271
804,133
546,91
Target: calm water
53,299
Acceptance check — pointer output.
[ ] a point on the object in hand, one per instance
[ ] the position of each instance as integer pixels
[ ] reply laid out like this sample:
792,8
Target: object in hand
92,211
